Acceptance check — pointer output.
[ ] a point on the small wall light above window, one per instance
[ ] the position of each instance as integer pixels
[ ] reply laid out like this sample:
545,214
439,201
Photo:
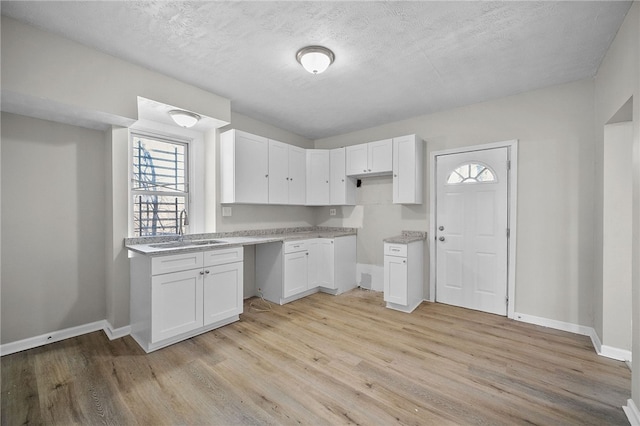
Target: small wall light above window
315,59
184,118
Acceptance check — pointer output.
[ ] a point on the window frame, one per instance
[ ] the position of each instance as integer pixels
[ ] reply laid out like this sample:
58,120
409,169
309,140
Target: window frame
188,174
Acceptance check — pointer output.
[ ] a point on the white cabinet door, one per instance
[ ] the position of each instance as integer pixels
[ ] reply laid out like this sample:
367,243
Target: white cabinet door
395,280
318,170
407,170
297,175
278,173
176,303
296,273
357,159
325,263
379,156
343,188
244,168
222,292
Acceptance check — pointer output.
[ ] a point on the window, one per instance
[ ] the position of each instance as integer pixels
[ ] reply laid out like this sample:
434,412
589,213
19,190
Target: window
471,173
159,184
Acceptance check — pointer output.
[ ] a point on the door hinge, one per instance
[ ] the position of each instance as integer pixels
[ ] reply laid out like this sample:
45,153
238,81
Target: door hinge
508,164
508,232
507,301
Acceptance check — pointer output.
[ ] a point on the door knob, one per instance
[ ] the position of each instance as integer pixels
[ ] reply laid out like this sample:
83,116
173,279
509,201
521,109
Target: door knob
441,238
441,228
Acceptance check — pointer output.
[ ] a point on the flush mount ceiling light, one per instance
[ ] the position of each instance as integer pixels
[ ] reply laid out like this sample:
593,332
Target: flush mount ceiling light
315,59
184,118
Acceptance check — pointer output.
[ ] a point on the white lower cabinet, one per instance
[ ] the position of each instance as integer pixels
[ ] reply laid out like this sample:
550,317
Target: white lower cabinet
178,296
291,270
403,275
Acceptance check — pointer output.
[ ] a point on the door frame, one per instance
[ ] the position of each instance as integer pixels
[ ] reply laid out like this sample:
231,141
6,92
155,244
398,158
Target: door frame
512,191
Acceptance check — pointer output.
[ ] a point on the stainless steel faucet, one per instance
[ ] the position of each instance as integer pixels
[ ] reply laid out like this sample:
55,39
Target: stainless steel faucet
183,222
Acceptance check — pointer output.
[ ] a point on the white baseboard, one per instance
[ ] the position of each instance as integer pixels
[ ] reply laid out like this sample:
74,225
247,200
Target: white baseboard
56,336
558,325
370,276
602,350
632,412
615,353
116,333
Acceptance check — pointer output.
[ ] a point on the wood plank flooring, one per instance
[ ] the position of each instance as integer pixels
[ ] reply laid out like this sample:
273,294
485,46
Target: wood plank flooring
325,360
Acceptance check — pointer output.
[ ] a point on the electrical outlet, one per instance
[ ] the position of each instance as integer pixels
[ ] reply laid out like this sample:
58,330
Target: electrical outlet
226,211
332,212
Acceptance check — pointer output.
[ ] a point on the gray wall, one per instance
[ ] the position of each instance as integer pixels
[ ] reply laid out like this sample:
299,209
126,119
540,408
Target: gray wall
53,227
617,80
555,247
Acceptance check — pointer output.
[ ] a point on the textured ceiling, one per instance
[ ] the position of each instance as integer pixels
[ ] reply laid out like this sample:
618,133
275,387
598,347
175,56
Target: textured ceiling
394,60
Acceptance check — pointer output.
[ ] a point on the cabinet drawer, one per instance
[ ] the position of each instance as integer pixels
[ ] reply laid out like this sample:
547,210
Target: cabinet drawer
395,250
223,256
176,262
295,246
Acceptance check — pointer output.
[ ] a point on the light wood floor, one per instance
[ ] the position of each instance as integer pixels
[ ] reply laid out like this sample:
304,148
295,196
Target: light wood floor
325,360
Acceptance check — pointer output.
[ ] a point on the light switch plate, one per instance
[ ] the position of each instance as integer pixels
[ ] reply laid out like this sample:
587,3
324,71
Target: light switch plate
226,211
332,212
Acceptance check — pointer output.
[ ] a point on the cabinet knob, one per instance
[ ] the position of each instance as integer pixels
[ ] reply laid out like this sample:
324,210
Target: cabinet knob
441,238
369,169
364,170
343,180
206,272
327,181
201,272
404,261
266,176
395,175
287,178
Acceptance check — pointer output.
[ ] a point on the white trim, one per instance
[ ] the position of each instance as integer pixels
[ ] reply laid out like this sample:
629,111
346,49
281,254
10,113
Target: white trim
595,340
615,353
116,333
558,325
512,215
632,412
67,333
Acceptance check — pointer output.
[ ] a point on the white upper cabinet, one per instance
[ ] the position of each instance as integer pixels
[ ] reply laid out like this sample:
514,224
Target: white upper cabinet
318,177
369,159
343,188
244,168
287,178
407,170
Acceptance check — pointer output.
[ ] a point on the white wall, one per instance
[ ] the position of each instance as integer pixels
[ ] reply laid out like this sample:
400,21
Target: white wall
554,126
617,80
53,227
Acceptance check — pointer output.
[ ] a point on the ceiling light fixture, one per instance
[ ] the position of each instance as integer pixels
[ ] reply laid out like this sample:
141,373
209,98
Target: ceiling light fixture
184,118
315,59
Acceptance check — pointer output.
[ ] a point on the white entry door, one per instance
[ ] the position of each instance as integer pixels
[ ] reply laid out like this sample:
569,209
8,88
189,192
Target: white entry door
471,229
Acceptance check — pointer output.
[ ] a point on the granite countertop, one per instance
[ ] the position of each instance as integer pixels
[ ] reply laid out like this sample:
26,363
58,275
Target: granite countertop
407,237
155,246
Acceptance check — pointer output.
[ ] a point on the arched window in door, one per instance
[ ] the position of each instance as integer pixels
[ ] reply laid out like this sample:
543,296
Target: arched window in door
471,173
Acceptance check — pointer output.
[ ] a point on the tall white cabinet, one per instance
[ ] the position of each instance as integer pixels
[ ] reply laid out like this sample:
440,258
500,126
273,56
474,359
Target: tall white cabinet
318,177
343,188
407,170
244,168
